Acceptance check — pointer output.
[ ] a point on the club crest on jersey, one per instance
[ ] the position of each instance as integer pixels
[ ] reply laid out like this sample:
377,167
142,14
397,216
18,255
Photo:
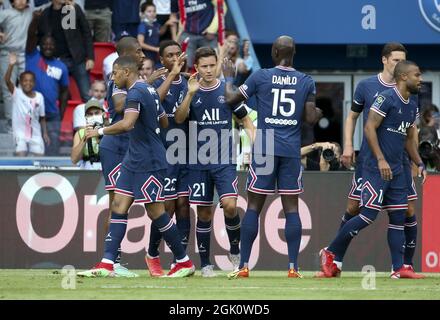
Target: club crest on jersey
151,90
221,99
379,101
181,95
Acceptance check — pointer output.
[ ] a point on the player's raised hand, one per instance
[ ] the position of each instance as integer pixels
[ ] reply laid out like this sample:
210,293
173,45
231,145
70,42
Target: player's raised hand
347,157
12,58
193,83
385,170
155,75
178,64
228,68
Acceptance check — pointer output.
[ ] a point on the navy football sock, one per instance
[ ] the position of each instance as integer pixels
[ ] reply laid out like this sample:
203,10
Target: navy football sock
410,239
249,231
170,234
350,230
346,217
155,238
233,230
396,237
203,233
184,227
116,232
293,232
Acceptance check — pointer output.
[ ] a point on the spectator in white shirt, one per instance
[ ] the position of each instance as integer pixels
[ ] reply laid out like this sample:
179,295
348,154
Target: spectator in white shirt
28,122
97,92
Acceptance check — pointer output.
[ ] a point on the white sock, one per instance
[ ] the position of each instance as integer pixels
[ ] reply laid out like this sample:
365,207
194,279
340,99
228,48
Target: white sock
107,261
338,264
184,259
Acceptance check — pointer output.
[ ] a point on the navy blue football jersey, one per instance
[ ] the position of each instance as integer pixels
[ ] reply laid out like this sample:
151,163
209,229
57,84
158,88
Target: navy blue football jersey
173,99
281,94
399,114
120,141
211,117
365,93
146,151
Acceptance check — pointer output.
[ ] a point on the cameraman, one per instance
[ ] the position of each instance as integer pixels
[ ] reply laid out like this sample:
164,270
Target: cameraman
429,148
322,156
86,152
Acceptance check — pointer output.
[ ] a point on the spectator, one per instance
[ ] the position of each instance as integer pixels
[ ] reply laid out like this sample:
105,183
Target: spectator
74,45
97,92
147,68
163,8
14,23
99,16
51,79
322,156
200,27
125,17
27,113
86,152
149,31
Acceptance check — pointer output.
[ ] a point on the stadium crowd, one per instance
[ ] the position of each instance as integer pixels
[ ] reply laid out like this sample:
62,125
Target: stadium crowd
71,64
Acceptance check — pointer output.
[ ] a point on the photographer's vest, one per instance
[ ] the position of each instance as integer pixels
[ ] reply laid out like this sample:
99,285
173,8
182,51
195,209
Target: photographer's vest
95,145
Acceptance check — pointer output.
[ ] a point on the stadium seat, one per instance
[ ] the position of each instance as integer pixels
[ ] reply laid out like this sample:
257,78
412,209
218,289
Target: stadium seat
66,132
102,50
74,90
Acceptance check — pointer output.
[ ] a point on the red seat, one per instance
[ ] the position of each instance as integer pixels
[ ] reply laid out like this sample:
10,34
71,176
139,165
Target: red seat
66,131
74,90
102,50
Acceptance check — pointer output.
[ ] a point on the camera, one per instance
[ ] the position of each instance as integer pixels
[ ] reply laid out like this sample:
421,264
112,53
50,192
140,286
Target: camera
328,155
427,149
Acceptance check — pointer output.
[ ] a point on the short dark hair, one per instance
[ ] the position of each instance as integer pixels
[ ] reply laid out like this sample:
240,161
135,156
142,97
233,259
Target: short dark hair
127,62
167,43
402,67
147,4
125,43
46,36
204,52
25,73
392,46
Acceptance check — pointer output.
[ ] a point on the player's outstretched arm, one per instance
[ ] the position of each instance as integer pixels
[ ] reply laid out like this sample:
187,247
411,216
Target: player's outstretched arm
373,122
349,127
411,147
233,95
125,125
182,111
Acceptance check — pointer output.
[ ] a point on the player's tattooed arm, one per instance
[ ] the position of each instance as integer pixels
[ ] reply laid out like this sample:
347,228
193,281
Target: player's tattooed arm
233,95
119,102
182,111
373,122
349,127
411,147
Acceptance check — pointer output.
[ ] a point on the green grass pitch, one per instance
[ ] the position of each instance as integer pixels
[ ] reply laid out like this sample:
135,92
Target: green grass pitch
268,285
